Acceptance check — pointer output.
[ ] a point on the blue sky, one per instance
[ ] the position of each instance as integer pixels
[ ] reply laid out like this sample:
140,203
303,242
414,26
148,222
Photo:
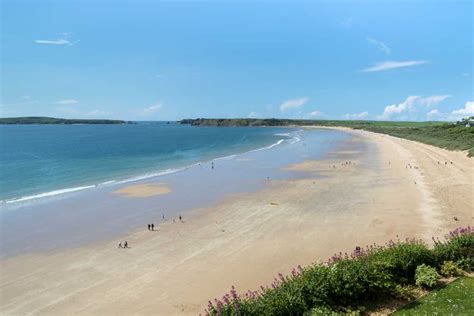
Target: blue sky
152,60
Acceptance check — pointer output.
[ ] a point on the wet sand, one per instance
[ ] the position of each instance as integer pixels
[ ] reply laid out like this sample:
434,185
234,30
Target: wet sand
248,238
143,190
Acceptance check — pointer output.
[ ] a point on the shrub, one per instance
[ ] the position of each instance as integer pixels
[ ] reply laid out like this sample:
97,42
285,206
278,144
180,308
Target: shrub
426,276
458,246
402,258
450,268
347,281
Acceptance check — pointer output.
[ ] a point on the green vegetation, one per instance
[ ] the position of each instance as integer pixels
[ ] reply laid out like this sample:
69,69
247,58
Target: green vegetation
52,120
452,136
450,269
352,283
453,299
426,276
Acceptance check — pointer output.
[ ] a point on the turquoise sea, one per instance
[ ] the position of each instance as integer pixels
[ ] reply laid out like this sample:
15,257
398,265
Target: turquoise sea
46,160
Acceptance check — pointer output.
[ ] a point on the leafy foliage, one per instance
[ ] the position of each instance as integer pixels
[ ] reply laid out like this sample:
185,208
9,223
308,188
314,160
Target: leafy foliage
346,281
426,276
450,268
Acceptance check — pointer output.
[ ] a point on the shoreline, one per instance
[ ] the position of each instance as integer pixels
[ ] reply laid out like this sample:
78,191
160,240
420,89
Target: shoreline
134,178
92,216
248,238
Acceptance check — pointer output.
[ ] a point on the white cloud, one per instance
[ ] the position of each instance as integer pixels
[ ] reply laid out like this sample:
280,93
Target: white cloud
433,113
434,99
468,110
315,113
387,65
293,104
64,39
152,108
253,115
356,116
380,45
67,101
398,109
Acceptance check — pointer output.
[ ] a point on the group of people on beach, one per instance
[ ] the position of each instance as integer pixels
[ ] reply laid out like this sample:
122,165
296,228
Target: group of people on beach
125,245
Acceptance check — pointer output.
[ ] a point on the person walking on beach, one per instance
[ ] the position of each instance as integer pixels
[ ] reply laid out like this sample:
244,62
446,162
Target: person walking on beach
120,245
180,218
163,216
152,226
212,165
125,245
149,226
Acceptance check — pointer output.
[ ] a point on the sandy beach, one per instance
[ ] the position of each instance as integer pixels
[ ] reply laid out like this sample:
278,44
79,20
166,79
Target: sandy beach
394,189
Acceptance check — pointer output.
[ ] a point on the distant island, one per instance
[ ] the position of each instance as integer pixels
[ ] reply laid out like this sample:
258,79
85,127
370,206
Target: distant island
52,120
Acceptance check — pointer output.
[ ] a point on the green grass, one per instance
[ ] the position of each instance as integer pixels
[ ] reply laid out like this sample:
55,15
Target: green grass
457,298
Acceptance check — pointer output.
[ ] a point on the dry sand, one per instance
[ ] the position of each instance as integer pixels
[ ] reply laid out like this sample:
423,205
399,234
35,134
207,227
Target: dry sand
246,240
143,190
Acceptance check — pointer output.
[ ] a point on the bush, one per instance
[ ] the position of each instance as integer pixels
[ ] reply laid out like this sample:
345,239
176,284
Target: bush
426,276
458,246
347,281
402,258
450,268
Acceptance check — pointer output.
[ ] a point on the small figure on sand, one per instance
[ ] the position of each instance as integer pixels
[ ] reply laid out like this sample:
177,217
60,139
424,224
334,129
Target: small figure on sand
152,226
212,165
120,245
149,226
125,245
180,218
163,216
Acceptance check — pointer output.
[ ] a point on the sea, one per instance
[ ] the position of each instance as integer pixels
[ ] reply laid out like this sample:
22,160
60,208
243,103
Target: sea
58,183
45,160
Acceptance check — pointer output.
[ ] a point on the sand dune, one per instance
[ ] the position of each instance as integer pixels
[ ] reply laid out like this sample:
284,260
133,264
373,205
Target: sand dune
247,239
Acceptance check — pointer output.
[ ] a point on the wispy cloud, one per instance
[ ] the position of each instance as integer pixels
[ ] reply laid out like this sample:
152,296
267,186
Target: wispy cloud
152,109
356,116
64,39
379,44
253,115
434,99
433,113
315,113
388,65
67,101
293,104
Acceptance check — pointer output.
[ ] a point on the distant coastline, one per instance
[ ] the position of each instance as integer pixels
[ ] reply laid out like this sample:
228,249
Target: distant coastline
52,120
447,135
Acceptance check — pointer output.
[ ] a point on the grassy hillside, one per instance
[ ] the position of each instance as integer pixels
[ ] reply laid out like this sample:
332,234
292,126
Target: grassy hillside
441,134
52,120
